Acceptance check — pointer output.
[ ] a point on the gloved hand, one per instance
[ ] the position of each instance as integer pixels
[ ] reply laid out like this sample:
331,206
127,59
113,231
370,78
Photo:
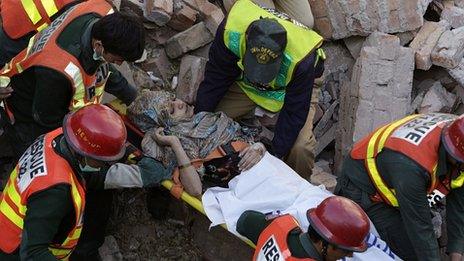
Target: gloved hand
251,155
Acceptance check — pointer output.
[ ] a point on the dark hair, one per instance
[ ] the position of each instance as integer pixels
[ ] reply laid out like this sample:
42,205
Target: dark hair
121,34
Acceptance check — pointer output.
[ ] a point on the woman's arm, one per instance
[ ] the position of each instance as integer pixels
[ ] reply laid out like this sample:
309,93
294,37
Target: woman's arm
188,175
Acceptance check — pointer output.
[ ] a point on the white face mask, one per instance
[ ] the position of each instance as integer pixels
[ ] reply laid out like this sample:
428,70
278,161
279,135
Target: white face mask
87,167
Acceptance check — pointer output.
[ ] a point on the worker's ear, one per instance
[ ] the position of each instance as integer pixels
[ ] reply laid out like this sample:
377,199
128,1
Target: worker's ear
97,44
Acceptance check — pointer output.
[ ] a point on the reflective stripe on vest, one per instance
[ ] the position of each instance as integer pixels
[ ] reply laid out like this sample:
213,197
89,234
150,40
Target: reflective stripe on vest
376,144
33,12
272,242
22,17
300,42
41,168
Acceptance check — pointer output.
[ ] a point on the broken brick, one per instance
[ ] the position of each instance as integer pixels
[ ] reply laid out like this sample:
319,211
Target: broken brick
188,40
158,11
191,74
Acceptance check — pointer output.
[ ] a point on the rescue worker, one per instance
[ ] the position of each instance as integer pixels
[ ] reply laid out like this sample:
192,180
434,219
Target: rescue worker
66,66
44,208
262,58
399,172
338,227
20,21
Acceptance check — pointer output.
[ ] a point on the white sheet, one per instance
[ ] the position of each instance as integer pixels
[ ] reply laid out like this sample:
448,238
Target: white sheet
273,186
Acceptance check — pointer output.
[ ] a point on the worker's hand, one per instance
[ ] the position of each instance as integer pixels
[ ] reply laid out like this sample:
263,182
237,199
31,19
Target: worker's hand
5,92
455,256
251,155
165,140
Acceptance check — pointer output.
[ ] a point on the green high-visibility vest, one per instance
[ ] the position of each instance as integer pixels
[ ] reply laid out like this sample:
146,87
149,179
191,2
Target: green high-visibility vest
301,42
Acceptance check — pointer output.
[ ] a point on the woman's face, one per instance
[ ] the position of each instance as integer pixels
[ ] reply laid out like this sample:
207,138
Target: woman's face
179,110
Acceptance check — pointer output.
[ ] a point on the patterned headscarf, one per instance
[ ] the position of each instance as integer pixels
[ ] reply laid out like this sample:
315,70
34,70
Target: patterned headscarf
149,110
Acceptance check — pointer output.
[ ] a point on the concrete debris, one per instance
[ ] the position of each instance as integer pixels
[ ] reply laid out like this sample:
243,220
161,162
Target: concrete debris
320,177
381,85
188,40
454,15
158,11
184,17
159,64
354,45
406,37
437,99
425,41
450,48
458,73
459,3
142,79
344,18
192,69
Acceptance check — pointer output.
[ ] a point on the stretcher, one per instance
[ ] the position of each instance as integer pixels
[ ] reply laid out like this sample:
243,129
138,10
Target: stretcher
135,136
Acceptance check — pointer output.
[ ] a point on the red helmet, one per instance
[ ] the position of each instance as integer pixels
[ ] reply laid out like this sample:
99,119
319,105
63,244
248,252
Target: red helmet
97,132
453,138
341,222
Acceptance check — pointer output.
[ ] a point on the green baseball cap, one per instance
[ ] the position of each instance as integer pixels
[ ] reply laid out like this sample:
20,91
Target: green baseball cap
265,43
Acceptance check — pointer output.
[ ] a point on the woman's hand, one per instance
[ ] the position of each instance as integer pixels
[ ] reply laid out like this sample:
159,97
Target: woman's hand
165,140
251,155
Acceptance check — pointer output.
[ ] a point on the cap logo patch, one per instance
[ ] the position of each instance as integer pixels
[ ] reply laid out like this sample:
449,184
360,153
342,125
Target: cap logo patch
263,55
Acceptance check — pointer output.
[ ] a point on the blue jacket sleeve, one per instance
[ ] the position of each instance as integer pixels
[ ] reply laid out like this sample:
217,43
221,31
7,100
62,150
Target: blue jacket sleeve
297,101
220,73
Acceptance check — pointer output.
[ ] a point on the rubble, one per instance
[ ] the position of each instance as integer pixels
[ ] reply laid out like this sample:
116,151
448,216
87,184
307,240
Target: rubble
159,64
454,15
188,40
425,41
354,45
321,177
450,49
191,73
458,73
344,18
158,11
437,99
184,17
381,85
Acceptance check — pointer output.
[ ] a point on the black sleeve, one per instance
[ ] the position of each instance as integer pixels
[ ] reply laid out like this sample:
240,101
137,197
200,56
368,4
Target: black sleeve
52,96
455,220
250,225
119,87
45,211
295,110
410,183
220,73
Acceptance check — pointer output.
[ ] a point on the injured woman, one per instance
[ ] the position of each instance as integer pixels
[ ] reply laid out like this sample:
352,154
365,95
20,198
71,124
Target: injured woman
244,178
176,137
